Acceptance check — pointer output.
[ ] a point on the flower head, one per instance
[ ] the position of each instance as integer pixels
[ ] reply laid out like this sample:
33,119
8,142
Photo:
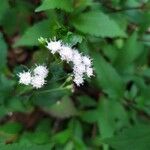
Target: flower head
79,69
37,81
41,70
78,80
77,57
82,65
66,53
25,78
89,71
54,46
86,60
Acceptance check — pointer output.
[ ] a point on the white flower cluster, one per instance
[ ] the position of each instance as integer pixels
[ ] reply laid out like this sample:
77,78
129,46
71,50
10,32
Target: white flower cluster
82,65
36,78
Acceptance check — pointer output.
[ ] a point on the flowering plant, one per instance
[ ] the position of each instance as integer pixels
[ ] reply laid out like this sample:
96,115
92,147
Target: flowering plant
74,74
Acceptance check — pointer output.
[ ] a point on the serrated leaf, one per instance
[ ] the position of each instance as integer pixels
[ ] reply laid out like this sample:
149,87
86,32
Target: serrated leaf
31,35
98,24
135,138
107,76
52,4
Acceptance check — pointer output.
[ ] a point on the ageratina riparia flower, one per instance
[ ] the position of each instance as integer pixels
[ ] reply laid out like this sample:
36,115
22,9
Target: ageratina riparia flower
41,71
54,46
25,78
82,65
37,81
36,78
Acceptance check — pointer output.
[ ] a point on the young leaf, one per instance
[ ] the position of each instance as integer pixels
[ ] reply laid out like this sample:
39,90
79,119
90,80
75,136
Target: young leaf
52,4
98,24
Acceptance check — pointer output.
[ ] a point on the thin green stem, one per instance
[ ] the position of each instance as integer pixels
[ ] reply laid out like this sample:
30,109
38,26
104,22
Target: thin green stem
54,90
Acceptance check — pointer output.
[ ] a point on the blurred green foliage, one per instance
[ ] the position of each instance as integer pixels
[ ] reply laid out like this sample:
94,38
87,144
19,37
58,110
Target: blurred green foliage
110,111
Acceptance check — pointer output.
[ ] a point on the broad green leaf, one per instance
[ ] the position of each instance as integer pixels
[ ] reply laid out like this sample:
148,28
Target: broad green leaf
52,4
48,97
3,52
19,14
112,118
9,132
11,128
132,50
31,35
5,88
38,137
135,138
62,137
63,108
90,116
86,101
107,76
3,8
97,24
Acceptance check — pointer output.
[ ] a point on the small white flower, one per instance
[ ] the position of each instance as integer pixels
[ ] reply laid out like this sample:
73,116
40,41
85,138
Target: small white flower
41,70
78,80
25,78
66,53
54,46
89,71
79,69
37,81
86,60
77,58
82,65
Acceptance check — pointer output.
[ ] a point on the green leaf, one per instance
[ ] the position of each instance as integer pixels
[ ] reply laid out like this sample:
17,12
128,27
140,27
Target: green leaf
3,8
112,118
90,116
63,108
11,128
135,138
52,4
132,50
38,137
31,35
5,88
98,24
3,52
62,137
72,39
19,146
50,97
108,77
